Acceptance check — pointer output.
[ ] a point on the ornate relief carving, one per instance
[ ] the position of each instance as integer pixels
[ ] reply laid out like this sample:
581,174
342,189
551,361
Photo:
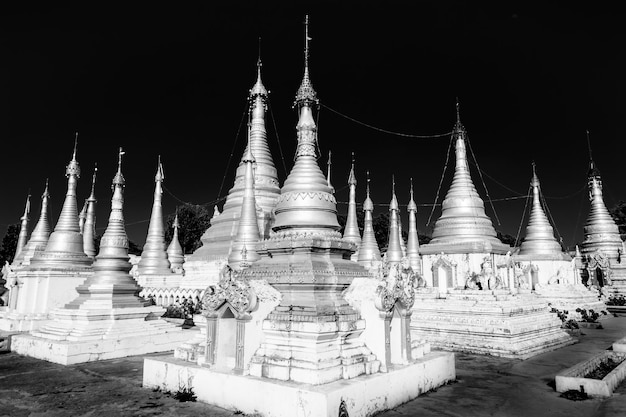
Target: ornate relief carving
398,286
230,289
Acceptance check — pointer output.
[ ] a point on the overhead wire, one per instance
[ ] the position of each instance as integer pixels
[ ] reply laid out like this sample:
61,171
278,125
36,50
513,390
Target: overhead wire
443,173
280,149
482,180
406,135
245,112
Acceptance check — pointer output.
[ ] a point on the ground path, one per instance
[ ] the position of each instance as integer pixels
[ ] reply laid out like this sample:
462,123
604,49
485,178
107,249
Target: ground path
485,386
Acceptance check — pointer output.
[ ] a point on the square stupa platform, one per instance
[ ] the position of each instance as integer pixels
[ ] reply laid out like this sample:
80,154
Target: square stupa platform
363,396
121,338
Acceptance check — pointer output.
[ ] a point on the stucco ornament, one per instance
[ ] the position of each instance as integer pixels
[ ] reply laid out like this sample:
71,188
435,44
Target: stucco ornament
398,285
230,289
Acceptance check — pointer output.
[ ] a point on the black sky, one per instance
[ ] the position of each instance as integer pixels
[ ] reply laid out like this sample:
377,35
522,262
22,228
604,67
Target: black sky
173,80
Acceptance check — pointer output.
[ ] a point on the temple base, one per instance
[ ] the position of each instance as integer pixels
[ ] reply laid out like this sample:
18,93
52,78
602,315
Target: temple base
361,396
77,336
488,322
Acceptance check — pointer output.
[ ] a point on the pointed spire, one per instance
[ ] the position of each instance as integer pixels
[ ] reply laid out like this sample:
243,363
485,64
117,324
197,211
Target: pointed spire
306,203
174,251
82,216
248,229
368,251
217,239
463,226
65,245
601,232
394,250
539,241
328,171
306,94
89,228
258,90
41,232
412,249
351,231
154,254
111,286
23,236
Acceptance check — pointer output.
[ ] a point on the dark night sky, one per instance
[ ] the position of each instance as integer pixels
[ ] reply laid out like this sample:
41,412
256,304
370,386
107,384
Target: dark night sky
174,80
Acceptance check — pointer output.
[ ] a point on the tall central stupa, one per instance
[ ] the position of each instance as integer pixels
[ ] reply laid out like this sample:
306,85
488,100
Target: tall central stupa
216,241
463,226
308,262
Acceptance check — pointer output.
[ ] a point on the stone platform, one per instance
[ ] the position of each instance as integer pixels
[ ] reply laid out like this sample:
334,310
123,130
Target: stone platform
68,343
488,322
363,396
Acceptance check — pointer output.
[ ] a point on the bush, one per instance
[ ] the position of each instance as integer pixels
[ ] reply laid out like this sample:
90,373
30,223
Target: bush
616,300
591,316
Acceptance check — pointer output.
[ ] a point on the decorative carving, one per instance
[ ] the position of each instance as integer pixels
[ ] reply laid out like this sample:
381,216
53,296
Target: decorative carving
398,286
599,260
343,410
230,289
486,280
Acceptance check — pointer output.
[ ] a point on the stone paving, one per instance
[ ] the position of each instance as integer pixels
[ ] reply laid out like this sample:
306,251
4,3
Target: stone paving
485,386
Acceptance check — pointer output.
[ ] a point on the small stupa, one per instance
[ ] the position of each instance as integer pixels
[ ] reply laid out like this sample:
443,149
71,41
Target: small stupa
216,241
469,304
413,245
154,255
37,242
203,267
602,260
369,252
108,319
65,244
304,346
89,227
23,235
351,231
41,232
154,271
58,264
248,228
174,251
541,265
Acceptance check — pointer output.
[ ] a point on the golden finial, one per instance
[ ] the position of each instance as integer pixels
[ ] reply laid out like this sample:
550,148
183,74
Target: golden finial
411,206
352,176
119,178
160,175
534,182
73,169
258,90
306,94
329,163
45,191
75,146
93,181
368,205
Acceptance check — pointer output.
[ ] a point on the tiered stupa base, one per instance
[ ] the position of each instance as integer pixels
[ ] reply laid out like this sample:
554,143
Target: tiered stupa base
163,289
568,297
488,322
361,396
41,291
618,279
77,336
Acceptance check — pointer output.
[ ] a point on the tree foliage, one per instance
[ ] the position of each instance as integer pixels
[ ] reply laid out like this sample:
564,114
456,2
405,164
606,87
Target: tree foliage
193,221
618,212
506,238
9,243
380,223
